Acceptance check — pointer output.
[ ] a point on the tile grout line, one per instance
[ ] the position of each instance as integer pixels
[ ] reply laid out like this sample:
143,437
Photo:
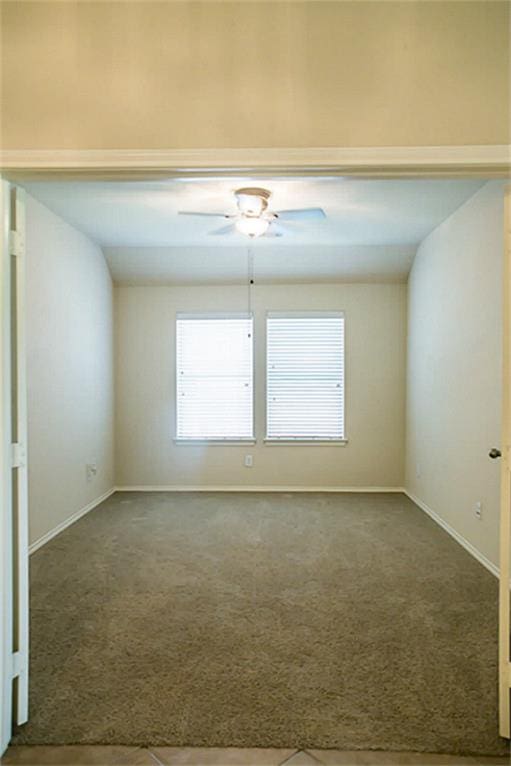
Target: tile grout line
286,760
309,755
153,756
130,756
313,757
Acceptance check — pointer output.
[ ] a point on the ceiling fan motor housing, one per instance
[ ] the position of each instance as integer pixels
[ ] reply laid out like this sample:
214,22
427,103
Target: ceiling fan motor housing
252,200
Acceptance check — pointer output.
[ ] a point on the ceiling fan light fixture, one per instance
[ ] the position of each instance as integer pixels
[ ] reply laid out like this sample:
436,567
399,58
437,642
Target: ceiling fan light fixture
252,200
251,205
252,226
254,218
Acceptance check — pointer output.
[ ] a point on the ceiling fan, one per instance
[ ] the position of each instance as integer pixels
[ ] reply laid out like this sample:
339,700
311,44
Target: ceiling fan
253,217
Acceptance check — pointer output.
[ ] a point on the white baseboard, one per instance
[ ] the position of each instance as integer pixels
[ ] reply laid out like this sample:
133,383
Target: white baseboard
245,488
476,553
67,522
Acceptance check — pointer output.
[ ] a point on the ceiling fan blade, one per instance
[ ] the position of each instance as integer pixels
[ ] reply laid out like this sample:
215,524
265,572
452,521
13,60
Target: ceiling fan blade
223,230
301,214
207,215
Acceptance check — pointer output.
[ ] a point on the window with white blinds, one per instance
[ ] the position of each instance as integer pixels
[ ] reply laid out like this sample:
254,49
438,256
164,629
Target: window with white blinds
305,376
214,369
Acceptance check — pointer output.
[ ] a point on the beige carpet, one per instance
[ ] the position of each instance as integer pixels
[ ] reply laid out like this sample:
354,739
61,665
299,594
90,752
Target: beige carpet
262,620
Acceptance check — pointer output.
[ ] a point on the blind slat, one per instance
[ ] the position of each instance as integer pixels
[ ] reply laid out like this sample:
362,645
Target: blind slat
305,376
214,366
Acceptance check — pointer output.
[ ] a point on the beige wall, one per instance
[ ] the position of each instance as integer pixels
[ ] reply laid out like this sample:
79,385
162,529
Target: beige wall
375,394
70,370
254,74
454,369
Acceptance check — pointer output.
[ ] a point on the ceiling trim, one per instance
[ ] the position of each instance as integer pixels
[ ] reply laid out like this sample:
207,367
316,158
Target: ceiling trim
488,161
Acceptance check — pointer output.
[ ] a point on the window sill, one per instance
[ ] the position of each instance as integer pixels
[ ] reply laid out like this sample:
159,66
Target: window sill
307,442
213,442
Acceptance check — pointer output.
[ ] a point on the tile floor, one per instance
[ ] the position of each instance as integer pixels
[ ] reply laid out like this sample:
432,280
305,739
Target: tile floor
85,755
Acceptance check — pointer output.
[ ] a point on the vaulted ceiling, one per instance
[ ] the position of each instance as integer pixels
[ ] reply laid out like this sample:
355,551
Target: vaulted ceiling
371,230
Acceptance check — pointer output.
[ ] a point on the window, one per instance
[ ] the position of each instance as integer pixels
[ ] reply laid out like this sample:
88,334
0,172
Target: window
214,368
305,376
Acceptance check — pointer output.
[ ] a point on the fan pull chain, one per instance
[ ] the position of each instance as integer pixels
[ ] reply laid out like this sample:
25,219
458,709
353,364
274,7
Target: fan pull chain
250,278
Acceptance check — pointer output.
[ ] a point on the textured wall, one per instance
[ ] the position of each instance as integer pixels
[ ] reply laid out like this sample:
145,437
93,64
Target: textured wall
254,74
454,368
70,370
375,390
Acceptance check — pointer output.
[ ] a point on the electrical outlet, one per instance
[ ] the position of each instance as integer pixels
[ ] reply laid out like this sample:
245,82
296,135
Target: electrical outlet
249,462
91,470
479,510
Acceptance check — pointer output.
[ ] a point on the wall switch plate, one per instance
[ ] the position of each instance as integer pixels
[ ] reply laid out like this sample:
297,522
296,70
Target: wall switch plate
479,510
249,461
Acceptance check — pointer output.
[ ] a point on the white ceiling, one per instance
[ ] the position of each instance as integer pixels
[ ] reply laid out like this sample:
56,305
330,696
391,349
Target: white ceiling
371,231
229,265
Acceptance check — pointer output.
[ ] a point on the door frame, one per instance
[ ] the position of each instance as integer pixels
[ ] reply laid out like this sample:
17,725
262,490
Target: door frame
13,465
478,161
505,489
6,525
16,166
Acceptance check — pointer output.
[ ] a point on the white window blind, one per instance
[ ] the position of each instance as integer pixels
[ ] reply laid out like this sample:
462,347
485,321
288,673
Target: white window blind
305,376
214,368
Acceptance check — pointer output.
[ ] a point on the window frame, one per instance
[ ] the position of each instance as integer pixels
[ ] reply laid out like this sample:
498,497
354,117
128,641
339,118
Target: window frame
220,442
307,440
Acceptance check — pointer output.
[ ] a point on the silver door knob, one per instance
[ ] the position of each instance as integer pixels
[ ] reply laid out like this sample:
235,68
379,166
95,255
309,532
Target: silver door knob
494,453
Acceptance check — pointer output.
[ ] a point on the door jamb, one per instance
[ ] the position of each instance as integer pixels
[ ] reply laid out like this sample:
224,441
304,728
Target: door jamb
13,466
505,489
6,525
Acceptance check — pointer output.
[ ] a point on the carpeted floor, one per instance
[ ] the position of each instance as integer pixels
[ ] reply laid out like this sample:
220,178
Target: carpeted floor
262,620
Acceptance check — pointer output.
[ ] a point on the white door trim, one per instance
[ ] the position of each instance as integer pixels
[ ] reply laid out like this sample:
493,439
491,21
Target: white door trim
13,466
505,493
20,465
6,520
479,160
